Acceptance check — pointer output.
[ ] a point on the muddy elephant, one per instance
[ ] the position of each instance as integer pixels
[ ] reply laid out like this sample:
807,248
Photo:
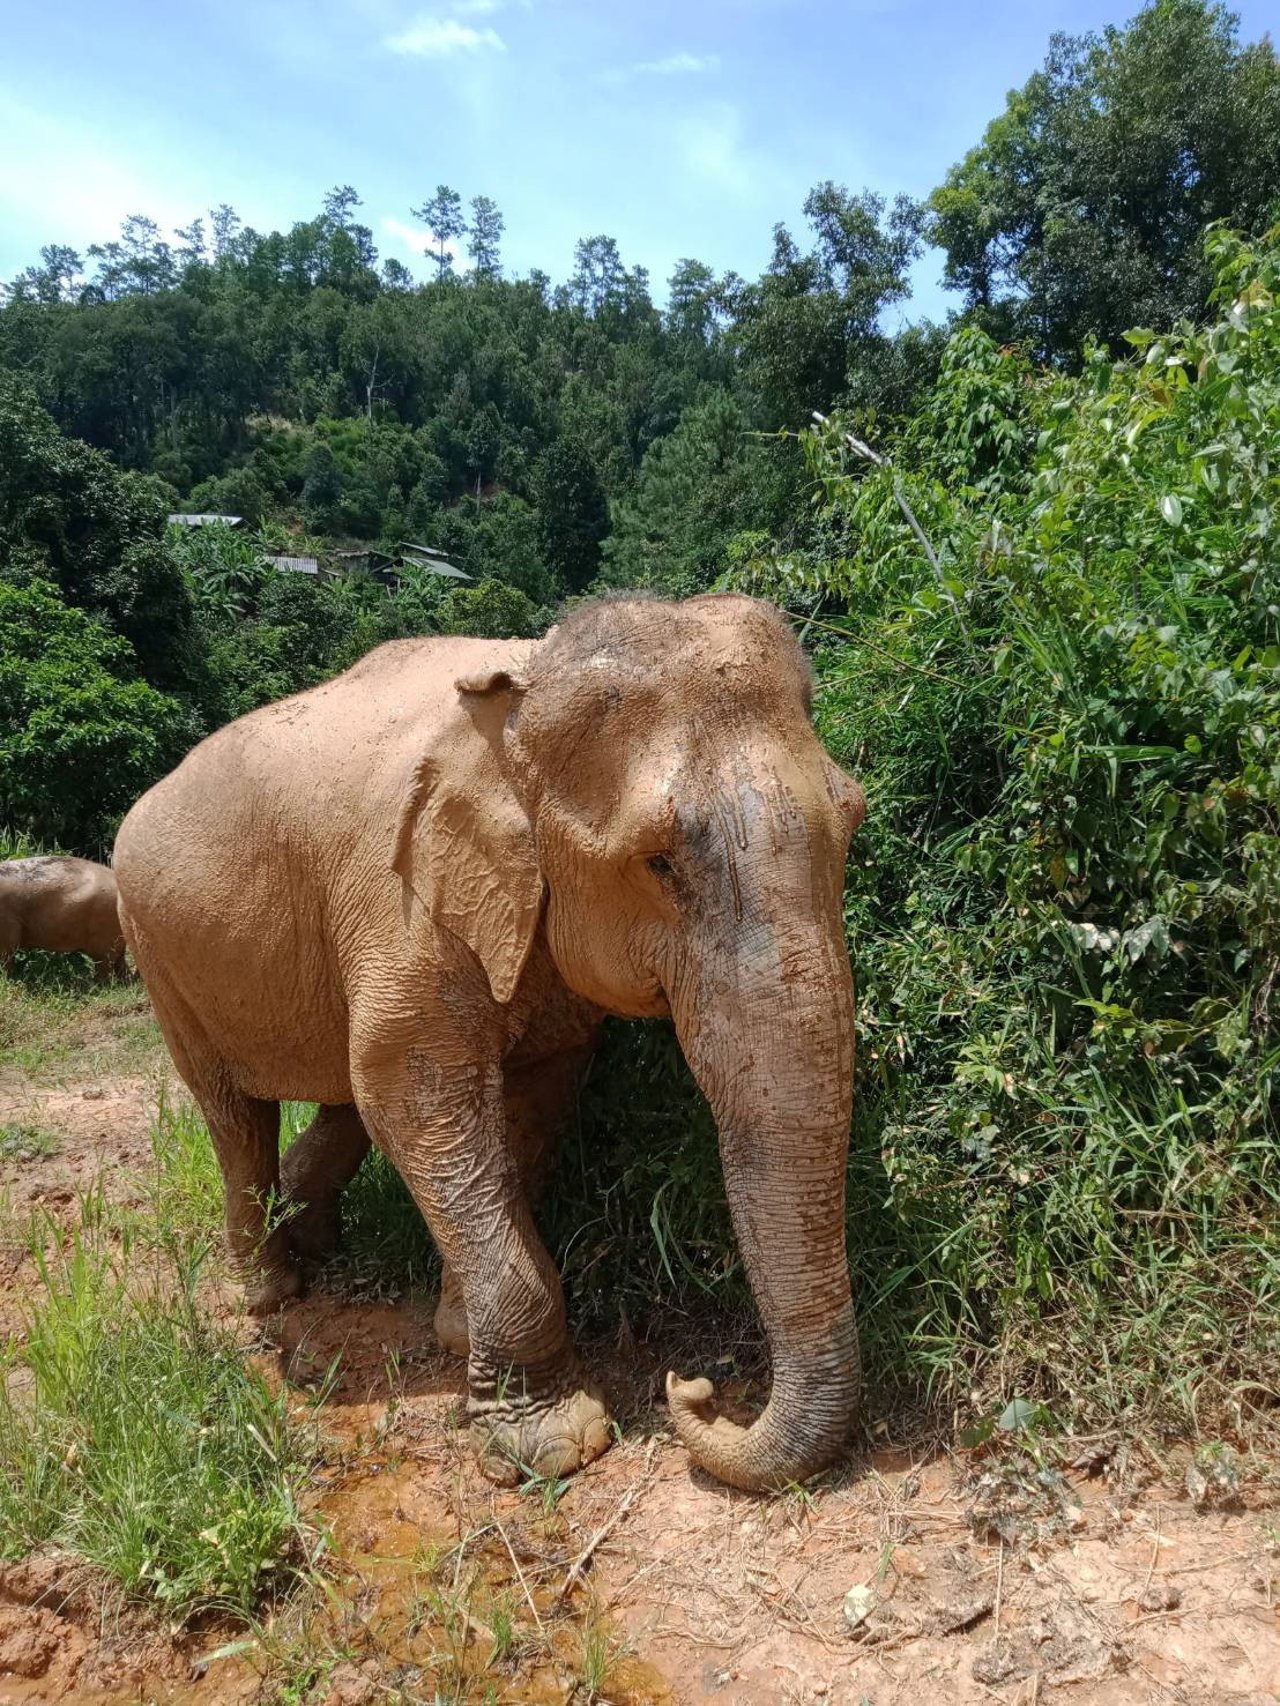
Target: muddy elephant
411,894
63,904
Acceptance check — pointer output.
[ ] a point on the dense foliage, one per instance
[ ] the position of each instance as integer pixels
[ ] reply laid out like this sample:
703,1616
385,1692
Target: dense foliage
1061,685
80,736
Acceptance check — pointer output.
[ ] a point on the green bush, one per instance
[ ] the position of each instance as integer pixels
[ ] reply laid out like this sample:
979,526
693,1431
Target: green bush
80,737
491,610
1065,906
69,517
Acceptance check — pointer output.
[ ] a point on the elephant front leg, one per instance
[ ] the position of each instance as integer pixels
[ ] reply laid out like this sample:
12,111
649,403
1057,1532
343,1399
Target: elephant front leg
531,1404
536,1095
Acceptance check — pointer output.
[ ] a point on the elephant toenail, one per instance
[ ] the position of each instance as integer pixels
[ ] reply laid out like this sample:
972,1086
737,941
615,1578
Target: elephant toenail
558,1456
595,1440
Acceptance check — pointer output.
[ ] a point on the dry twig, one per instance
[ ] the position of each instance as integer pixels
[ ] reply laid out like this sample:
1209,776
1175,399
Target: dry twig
515,1564
1155,1554
999,1586
611,1522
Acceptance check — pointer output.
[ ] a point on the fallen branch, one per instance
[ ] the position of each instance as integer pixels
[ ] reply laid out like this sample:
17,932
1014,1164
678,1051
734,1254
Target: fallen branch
861,448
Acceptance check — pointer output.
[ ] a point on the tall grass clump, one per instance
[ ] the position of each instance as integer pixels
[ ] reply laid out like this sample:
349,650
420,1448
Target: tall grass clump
134,1434
1049,625
386,1248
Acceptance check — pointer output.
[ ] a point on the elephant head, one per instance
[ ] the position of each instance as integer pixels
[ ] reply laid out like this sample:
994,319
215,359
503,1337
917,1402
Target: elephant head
654,777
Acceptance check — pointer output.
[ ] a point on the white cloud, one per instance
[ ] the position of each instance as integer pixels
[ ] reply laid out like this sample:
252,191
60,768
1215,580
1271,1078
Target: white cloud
674,65
713,150
678,65
429,37
414,240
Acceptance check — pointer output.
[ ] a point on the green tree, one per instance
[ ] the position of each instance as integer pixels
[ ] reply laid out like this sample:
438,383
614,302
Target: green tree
138,262
573,514
484,237
240,492
292,632
697,488
322,488
442,215
80,736
1080,212
498,539
805,327
68,516
598,273
491,611
58,278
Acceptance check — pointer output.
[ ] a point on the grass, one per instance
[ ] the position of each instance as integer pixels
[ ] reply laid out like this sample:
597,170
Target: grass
56,1022
602,1652
134,1434
186,1186
21,1142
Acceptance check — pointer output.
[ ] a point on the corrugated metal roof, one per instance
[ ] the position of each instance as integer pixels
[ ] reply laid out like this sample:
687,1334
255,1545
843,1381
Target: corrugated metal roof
207,520
438,566
435,562
296,565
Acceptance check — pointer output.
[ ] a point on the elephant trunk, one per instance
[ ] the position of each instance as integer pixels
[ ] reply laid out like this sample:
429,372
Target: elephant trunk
768,1033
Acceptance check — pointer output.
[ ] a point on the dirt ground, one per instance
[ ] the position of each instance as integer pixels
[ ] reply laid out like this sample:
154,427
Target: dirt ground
916,1575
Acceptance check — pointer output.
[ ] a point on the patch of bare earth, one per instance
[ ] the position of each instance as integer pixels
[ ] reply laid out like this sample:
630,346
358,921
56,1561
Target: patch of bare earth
917,1577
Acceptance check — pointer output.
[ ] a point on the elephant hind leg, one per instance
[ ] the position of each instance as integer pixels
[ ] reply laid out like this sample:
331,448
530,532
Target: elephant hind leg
246,1139
315,1172
109,968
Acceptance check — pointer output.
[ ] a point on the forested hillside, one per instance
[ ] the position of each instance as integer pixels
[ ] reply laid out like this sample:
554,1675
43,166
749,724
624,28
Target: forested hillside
1034,552
547,437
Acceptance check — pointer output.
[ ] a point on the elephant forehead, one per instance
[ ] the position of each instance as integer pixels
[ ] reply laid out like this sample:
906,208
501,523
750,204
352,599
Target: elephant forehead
616,694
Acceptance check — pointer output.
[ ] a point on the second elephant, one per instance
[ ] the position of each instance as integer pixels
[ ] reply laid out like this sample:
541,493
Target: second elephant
64,905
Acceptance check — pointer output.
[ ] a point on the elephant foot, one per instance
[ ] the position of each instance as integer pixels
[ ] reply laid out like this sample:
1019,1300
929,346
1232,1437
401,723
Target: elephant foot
450,1319
314,1229
313,1222
267,1289
551,1440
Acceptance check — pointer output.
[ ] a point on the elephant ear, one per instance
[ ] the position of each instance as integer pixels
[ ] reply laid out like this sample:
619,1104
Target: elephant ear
847,797
464,843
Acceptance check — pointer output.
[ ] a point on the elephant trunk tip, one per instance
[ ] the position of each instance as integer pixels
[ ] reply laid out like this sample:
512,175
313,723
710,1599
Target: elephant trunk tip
756,1459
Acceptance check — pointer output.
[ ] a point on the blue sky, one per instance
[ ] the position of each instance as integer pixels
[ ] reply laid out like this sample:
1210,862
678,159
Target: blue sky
679,129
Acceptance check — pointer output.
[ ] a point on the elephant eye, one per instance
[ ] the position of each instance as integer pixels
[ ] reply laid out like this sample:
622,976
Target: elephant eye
659,864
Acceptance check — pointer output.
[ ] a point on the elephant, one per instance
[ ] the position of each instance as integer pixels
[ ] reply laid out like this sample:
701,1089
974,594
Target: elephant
64,904
412,894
